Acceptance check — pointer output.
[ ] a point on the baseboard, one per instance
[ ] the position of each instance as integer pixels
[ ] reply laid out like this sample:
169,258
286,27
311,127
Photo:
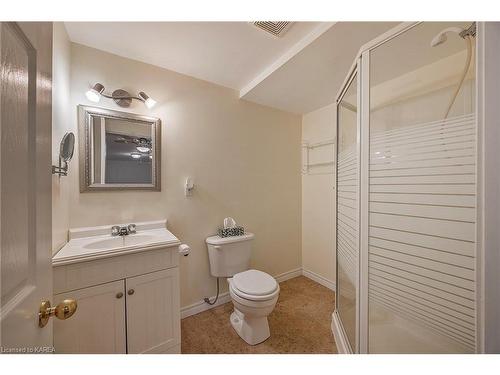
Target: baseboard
288,275
319,279
341,342
201,306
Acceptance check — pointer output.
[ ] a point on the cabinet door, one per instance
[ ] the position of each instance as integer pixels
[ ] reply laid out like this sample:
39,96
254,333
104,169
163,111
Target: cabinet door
153,312
98,325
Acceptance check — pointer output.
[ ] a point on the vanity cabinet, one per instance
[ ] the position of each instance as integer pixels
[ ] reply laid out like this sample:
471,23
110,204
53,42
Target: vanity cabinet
153,312
98,325
127,303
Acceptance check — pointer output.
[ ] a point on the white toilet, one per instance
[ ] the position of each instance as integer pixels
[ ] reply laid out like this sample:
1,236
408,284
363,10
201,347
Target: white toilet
254,293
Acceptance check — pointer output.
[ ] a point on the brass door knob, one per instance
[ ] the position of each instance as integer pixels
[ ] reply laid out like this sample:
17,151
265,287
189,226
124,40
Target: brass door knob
63,311
130,292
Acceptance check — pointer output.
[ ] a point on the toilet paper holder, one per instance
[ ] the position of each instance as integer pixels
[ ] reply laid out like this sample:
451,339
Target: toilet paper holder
184,249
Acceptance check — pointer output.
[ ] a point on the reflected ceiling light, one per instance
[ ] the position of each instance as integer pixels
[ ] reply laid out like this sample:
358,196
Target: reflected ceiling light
148,101
94,94
143,145
135,155
121,97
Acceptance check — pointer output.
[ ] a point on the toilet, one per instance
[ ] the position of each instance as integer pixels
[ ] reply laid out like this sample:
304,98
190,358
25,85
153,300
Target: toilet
253,293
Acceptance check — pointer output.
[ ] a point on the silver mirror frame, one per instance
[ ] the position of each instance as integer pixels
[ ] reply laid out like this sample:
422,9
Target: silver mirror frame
85,114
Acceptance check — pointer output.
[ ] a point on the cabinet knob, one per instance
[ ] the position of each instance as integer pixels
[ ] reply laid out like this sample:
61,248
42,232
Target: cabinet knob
130,292
119,295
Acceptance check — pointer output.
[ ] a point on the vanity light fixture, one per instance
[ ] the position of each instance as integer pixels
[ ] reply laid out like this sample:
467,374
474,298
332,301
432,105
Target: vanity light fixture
121,97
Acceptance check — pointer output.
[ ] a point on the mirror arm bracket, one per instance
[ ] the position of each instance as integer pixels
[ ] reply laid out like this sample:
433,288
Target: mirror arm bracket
61,170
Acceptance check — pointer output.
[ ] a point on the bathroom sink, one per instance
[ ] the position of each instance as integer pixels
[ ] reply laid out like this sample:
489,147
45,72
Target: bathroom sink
136,239
114,242
97,242
108,243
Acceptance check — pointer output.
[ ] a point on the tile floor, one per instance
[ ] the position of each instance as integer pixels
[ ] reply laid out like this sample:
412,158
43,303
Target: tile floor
300,323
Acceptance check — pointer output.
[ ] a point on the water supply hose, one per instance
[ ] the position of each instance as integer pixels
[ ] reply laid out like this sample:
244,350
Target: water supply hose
468,40
207,300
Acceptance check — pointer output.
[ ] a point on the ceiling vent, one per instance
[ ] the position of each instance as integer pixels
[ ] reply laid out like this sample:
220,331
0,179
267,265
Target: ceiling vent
276,29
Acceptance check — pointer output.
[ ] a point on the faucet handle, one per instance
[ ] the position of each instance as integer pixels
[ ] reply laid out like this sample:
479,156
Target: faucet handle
115,230
131,228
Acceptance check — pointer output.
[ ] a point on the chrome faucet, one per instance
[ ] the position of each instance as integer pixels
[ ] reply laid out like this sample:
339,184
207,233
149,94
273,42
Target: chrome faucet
116,230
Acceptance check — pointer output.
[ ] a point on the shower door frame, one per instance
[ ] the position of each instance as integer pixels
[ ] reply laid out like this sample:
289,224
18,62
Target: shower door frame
337,325
361,66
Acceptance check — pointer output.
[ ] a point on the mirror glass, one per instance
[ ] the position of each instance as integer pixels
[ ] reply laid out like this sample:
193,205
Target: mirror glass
67,147
121,150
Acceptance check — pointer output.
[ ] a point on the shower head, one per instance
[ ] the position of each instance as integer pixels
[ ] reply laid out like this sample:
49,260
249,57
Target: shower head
441,37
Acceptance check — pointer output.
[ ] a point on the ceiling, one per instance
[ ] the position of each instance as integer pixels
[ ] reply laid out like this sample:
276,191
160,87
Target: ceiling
299,72
312,78
230,54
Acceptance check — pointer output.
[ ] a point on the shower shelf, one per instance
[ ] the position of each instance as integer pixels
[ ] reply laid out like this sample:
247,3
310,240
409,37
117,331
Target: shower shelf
321,163
320,144
307,165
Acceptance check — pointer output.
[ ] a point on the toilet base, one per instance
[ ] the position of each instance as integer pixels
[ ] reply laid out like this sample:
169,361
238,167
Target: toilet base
252,330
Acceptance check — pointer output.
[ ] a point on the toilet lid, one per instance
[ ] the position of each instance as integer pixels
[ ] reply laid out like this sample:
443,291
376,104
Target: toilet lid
256,283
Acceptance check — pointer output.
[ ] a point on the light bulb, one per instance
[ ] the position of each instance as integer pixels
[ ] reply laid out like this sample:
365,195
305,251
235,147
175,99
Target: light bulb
148,101
94,94
143,149
135,155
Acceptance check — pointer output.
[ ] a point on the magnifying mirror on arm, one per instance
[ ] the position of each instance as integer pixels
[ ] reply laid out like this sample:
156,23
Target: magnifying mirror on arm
66,150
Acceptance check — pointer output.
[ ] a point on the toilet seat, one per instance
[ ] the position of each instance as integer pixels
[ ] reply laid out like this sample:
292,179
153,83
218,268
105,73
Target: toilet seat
254,285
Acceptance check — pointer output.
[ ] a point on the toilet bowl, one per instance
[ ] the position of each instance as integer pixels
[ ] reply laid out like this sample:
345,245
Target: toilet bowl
254,294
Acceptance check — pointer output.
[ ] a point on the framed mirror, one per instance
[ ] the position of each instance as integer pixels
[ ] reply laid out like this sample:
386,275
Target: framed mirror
118,150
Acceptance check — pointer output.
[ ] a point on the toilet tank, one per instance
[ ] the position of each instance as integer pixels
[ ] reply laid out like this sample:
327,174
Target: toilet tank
229,255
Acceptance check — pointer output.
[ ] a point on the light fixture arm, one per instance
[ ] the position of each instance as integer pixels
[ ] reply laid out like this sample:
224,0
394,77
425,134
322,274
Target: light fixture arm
121,97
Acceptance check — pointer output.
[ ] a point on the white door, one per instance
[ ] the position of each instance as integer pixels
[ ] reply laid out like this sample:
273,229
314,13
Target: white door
98,325
25,183
153,312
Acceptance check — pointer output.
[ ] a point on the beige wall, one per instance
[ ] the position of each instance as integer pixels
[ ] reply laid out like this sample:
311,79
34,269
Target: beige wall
244,159
318,197
60,125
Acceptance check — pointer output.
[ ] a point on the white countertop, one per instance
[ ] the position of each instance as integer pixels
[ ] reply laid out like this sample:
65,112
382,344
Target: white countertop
84,248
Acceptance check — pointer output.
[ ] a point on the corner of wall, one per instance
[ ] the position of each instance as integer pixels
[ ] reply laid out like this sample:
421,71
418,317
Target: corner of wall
61,63
318,200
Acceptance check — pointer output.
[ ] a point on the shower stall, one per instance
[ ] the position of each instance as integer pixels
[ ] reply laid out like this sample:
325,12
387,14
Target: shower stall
406,202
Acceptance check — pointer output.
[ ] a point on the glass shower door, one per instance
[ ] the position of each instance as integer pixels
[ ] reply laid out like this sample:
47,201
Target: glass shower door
347,221
422,193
